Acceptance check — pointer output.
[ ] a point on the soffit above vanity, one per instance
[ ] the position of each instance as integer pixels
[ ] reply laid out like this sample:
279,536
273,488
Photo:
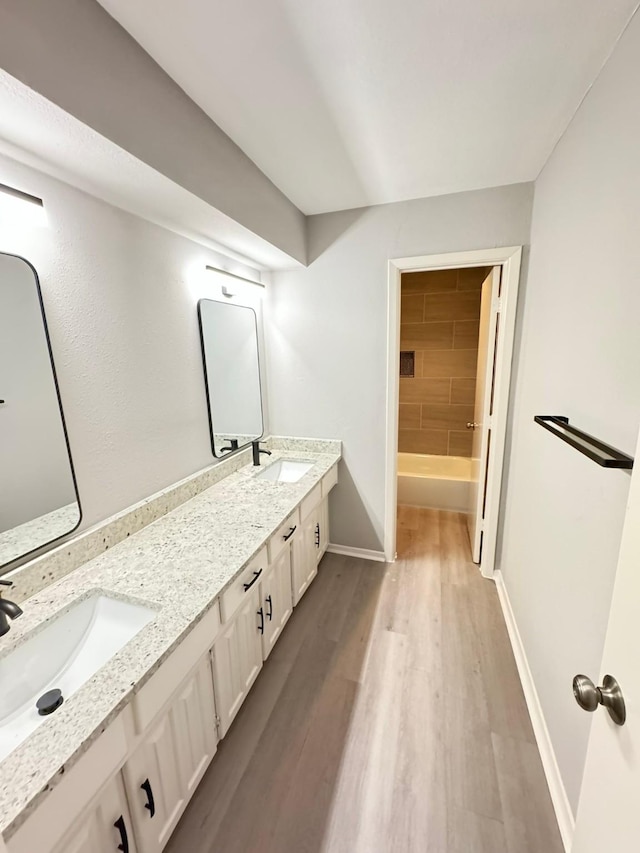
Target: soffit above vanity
75,153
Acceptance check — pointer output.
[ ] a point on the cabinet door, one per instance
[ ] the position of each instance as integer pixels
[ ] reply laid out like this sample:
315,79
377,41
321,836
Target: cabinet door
277,601
323,528
106,829
237,660
165,769
305,562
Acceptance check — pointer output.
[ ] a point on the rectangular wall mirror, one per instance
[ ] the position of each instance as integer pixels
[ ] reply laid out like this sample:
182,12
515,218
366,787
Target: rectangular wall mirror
38,495
229,337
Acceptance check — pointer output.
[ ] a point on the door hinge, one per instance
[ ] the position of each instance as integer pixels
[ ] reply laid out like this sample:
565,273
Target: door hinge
217,721
497,305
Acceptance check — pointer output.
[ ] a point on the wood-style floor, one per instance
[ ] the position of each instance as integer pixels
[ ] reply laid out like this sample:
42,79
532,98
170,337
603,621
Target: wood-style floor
388,719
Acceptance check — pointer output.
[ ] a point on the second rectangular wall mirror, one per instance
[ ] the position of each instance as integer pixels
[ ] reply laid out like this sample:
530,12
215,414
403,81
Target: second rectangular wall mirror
229,337
38,495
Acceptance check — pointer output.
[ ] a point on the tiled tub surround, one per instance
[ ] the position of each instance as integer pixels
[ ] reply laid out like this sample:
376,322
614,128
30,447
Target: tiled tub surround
440,312
42,571
179,565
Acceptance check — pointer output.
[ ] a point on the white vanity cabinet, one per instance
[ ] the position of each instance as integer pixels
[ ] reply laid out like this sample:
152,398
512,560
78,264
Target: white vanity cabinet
237,659
277,600
323,529
167,766
106,828
305,564
131,786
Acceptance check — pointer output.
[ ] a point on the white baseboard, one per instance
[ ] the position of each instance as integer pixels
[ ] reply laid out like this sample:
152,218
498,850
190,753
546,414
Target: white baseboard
564,814
362,553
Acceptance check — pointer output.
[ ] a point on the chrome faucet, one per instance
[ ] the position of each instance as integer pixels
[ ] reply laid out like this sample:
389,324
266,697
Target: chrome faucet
7,609
257,450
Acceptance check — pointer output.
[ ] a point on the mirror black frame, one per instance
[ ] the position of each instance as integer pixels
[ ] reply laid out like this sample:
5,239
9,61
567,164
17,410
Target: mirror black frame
7,567
206,379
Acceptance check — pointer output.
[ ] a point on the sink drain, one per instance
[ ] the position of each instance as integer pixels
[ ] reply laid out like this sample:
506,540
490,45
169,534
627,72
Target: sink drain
49,701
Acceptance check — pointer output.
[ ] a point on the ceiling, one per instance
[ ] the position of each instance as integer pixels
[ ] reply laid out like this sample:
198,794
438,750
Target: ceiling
347,103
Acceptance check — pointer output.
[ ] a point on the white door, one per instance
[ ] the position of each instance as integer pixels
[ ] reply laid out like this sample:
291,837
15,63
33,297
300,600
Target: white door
277,601
237,660
107,827
164,771
608,812
482,412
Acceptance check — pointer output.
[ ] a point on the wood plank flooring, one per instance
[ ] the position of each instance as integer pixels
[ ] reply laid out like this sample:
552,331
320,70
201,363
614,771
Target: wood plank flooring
388,719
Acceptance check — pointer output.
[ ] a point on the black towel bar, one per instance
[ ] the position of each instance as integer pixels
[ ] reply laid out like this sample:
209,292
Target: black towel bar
601,453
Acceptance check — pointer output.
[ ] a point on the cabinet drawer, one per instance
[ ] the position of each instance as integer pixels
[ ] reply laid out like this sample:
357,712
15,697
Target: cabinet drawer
282,535
155,694
329,480
311,501
251,574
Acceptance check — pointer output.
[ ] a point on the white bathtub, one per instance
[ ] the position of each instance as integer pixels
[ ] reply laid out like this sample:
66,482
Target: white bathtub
438,482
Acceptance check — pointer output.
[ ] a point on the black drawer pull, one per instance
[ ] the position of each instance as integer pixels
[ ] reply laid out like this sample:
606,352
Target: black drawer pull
256,575
318,535
260,613
150,804
122,829
270,612
288,535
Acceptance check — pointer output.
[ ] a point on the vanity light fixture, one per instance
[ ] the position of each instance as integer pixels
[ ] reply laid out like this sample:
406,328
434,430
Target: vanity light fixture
20,208
226,291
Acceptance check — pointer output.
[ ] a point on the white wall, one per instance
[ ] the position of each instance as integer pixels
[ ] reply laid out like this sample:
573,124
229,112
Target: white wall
120,297
580,357
326,333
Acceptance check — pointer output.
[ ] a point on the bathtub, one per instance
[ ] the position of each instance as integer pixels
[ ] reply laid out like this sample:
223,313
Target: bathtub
439,482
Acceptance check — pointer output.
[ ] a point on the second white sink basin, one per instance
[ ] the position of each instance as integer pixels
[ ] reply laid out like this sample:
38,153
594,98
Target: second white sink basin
63,655
286,470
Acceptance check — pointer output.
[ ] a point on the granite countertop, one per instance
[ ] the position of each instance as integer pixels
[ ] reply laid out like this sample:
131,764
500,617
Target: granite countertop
179,565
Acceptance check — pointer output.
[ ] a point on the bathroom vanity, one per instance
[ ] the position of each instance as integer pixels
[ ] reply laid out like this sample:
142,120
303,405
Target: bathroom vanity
214,581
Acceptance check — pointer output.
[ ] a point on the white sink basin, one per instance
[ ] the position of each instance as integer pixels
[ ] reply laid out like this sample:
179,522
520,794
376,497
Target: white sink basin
286,470
64,654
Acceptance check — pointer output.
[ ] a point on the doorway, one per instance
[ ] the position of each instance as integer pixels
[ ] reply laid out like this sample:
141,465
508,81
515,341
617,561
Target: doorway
465,458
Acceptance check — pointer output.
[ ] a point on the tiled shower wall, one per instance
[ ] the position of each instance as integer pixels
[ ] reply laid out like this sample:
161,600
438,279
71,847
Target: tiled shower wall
440,317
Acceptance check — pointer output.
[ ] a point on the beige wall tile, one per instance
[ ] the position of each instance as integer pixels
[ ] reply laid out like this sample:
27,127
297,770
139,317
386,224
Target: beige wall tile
460,443
421,336
423,441
465,334
436,281
471,279
463,391
409,415
445,417
412,308
453,363
424,390
452,306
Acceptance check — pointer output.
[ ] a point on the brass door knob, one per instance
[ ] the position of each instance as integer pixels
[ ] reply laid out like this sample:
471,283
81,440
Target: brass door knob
588,696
